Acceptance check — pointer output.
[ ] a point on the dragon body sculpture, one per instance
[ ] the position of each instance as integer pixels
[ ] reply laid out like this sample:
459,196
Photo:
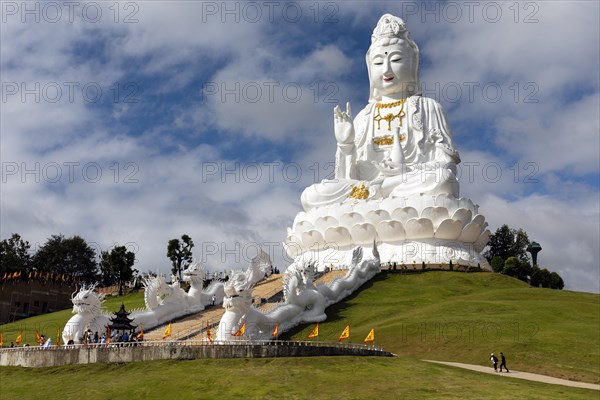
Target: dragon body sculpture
303,302
87,307
198,298
163,303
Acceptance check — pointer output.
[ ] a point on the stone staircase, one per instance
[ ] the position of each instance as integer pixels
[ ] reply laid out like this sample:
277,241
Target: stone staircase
193,327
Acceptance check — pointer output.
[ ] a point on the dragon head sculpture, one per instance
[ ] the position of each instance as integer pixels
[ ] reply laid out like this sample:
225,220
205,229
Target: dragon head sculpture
86,301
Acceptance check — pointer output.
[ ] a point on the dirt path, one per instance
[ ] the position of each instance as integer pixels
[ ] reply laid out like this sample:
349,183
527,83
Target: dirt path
521,375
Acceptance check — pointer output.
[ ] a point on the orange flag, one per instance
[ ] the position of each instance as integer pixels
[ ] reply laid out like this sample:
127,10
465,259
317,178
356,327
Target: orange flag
108,335
241,331
1,340
315,332
19,338
275,330
370,337
167,332
140,335
345,333
208,335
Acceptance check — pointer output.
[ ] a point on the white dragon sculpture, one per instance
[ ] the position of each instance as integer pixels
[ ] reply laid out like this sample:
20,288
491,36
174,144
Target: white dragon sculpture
303,302
87,307
163,303
198,298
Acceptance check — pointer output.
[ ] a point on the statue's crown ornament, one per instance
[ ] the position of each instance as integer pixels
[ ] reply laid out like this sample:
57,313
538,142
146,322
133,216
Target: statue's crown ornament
388,26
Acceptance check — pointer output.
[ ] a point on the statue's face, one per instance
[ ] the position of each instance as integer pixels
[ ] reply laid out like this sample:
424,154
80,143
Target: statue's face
393,68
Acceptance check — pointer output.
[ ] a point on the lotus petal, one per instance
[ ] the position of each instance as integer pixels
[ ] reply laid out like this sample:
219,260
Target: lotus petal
463,215
303,226
322,223
363,207
350,219
317,212
479,220
311,238
363,233
390,231
449,229
419,228
470,233
404,214
293,245
337,237
435,214
376,216
465,202
482,241
293,249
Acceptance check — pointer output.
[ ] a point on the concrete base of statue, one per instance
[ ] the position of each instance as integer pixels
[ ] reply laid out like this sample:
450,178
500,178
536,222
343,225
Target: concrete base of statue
415,229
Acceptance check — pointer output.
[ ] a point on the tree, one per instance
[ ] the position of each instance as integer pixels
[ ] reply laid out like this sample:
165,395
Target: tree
556,282
517,268
14,255
71,257
116,267
507,242
497,264
180,253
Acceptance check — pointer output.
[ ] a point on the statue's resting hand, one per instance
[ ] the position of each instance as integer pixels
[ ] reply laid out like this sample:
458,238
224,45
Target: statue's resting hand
343,126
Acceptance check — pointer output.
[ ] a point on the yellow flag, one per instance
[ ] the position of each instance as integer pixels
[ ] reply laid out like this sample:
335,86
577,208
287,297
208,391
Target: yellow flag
370,337
19,338
345,333
167,332
241,331
58,337
140,336
208,335
315,332
38,338
275,330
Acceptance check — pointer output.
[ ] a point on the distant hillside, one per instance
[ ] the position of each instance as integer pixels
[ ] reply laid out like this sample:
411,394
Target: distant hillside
463,317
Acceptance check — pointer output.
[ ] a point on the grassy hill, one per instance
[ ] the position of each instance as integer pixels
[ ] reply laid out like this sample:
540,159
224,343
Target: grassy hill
447,316
461,317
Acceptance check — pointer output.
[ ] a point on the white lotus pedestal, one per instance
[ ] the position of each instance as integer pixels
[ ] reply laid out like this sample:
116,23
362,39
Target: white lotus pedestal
434,230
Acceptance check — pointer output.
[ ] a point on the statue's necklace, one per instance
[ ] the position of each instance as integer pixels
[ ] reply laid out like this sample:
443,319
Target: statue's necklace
390,116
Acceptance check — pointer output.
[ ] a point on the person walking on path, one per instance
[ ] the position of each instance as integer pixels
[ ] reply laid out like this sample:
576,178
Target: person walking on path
494,361
503,363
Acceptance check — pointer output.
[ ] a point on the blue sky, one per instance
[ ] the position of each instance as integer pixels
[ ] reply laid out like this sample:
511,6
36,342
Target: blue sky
138,122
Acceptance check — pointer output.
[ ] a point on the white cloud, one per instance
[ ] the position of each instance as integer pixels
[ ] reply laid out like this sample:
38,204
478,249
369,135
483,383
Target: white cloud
176,48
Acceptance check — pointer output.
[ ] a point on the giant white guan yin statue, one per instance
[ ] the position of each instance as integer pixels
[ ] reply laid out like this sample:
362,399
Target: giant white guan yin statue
395,178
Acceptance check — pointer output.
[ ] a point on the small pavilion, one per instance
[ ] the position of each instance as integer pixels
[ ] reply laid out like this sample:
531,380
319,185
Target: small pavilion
121,322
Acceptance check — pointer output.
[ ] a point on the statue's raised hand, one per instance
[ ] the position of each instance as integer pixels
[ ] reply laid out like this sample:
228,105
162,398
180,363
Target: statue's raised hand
343,125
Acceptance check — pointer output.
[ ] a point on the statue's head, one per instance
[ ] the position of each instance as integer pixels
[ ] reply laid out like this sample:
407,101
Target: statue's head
392,60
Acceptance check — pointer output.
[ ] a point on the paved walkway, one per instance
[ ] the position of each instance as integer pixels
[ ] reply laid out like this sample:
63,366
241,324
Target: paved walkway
521,375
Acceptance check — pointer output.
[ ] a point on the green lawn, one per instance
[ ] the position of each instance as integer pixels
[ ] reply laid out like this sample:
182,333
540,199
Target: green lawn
451,316
446,316
360,378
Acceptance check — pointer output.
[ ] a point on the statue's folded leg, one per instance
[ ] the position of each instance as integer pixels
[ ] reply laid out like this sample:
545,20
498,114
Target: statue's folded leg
423,180
327,192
